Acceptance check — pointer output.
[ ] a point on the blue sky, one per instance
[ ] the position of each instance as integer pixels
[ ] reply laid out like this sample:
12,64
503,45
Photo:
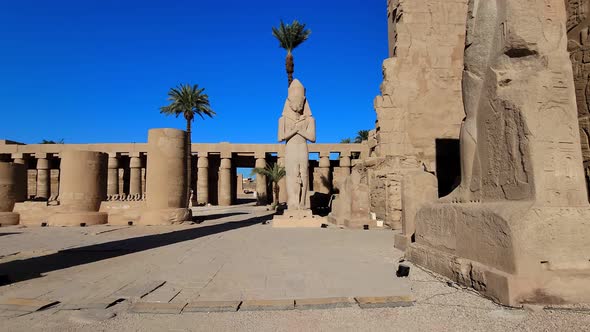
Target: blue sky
90,71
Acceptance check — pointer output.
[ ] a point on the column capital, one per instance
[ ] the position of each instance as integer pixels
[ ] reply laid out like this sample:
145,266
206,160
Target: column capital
324,161
41,155
202,161
42,163
225,163
113,162
260,163
135,162
260,154
344,161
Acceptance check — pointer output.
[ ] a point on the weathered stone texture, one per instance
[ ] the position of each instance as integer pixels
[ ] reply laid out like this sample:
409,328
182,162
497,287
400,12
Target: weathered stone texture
578,23
517,226
420,97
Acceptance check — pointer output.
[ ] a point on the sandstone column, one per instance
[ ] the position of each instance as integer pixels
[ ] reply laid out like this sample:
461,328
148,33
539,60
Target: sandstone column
202,179
166,178
261,185
83,186
135,175
282,182
43,177
323,174
342,171
9,178
21,188
113,176
225,181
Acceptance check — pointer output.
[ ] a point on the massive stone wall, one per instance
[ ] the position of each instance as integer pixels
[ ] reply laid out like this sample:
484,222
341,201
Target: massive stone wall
578,23
420,97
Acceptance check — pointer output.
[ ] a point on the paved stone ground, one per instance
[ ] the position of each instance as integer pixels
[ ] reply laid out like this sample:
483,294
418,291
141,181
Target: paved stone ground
232,256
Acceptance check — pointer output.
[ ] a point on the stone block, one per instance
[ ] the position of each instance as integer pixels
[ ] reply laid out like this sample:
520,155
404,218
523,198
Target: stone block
25,304
157,308
259,305
324,303
384,301
212,306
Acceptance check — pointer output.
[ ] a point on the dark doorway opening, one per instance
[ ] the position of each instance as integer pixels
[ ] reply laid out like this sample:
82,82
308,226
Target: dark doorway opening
448,165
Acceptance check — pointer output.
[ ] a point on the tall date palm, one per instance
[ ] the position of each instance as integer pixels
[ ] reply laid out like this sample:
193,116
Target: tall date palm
290,36
188,100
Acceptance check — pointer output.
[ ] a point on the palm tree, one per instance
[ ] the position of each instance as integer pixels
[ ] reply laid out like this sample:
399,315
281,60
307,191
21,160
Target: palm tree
188,100
345,141
274,173
362,135
61,141
289,37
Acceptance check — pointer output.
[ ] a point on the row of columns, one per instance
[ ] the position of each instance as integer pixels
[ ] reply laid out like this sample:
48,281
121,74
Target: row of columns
135,187
202,182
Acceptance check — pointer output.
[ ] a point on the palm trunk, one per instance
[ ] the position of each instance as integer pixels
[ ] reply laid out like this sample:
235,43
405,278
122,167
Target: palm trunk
290,66
276,193
188,163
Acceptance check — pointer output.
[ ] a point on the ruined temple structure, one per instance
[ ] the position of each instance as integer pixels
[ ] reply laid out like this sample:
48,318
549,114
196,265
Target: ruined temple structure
419,111
36,180
517,228
578,25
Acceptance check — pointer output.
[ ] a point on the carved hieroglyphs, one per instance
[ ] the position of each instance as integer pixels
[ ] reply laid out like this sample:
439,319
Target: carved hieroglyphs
517,228
578,25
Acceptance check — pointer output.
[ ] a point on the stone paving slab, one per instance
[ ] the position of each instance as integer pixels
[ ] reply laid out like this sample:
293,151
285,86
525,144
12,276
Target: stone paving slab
157,308
25,304
139,290
384,301
212,306
95,304
325,303
258,305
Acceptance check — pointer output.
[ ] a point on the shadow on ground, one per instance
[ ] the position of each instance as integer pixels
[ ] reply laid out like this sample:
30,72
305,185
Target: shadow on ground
20,270
199,219
9,233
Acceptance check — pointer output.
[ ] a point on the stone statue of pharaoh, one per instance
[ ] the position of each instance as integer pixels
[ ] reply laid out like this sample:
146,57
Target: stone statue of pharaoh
296,127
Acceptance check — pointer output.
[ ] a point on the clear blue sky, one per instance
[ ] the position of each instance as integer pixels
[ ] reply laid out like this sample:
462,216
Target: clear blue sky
92,71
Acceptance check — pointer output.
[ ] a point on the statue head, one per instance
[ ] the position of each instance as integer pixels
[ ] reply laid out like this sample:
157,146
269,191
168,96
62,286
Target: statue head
296,97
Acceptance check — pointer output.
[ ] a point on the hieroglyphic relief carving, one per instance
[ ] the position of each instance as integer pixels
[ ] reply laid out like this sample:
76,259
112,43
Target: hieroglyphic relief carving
505,132
578,24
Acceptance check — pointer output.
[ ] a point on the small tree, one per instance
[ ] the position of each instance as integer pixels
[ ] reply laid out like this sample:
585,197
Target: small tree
345,141
273,173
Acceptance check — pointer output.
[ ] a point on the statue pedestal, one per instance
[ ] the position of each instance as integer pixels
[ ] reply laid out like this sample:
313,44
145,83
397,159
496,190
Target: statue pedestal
298,219
514,253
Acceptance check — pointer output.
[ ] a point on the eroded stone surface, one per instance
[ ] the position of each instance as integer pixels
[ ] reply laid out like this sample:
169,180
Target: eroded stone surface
515,226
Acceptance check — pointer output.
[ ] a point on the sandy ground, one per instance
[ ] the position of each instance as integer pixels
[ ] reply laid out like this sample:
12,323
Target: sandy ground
233,255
